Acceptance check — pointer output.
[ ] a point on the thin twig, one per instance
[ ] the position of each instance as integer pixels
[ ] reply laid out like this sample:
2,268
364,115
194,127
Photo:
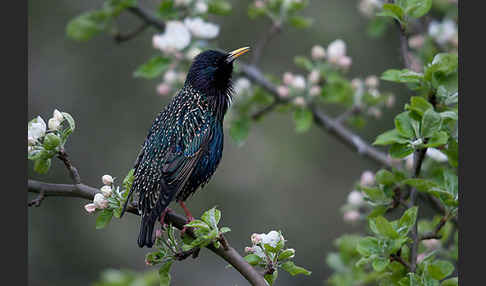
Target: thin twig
398,258
37,201
147,17
264,40
120,38
73,172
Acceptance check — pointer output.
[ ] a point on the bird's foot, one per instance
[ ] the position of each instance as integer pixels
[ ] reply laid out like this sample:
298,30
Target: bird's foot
163,223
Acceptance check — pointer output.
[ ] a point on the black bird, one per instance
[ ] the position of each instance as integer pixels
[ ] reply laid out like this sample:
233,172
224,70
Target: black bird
185,143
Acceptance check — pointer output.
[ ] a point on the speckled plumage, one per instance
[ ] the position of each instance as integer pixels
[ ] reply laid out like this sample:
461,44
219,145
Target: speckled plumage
184,145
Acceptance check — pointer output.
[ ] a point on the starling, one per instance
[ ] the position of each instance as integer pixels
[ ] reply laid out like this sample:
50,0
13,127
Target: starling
185,143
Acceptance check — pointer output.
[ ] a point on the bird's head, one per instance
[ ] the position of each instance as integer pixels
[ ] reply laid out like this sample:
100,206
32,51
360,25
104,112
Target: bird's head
211,70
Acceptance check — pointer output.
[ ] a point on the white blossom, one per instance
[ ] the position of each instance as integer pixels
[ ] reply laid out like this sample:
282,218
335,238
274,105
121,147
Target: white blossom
192,53
107,179
175,38
163,89
106,191
351,216
170,76
256,238
318,52
283,91
53,124
298,82
436,155
372,81
314,76
336,50
369,7
443,32
37,129
100,201
272,238
299,101
58,115
90,207
241,85
367,178
201,7
315,90
355,198
201,29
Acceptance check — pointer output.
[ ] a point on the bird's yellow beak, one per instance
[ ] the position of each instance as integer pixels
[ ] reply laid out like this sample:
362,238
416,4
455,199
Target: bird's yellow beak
236,53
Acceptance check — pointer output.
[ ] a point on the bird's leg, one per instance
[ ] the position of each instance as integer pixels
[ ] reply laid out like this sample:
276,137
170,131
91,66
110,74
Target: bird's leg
188,216
162,217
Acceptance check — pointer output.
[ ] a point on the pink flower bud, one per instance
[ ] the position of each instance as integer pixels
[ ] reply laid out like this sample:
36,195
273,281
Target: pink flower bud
158,233
355,198
318,52
283,91
351,216
107,179
416,42
299,101
249,249
90,207
315,90
106,191
256,238
288,78
367,178
100,201
372,81
163,89
344,62
314,76
431,243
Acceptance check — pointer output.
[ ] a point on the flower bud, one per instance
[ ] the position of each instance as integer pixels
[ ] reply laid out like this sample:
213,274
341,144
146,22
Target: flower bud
90,207
249,249
356,83
314,76
283,91
355,198
431,243
416,42
58,115
170,76
315,90
372,81
256,238
53,124
336,50
318,52
51,141
351,216
107,179
367,178
106,191
390,101
201,7
288,78
163,89
298,82
299,101
100,201
344,62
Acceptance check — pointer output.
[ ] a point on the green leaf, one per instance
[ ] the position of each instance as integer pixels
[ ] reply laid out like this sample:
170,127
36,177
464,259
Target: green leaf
449,115
418,8
392,10
197,224
42,165
212,217
375,194
403,76
104,218
438,139
423,185
410,280
385,228
400,150
164,273
154,67
380,263
450,282
300,22
404,124
452,152
287,253
224,229
240,128
390,137
444,63
419,105
270,278
385,177
368,246
407,220
440,269
431,123
303,62
303,119
115,7
219,7
253,259
87,25
293,269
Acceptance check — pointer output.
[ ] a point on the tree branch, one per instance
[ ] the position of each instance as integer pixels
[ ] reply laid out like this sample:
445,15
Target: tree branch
147,17
264,40
87,192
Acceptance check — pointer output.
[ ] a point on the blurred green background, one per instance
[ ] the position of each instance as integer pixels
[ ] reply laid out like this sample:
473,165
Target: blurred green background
276,180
